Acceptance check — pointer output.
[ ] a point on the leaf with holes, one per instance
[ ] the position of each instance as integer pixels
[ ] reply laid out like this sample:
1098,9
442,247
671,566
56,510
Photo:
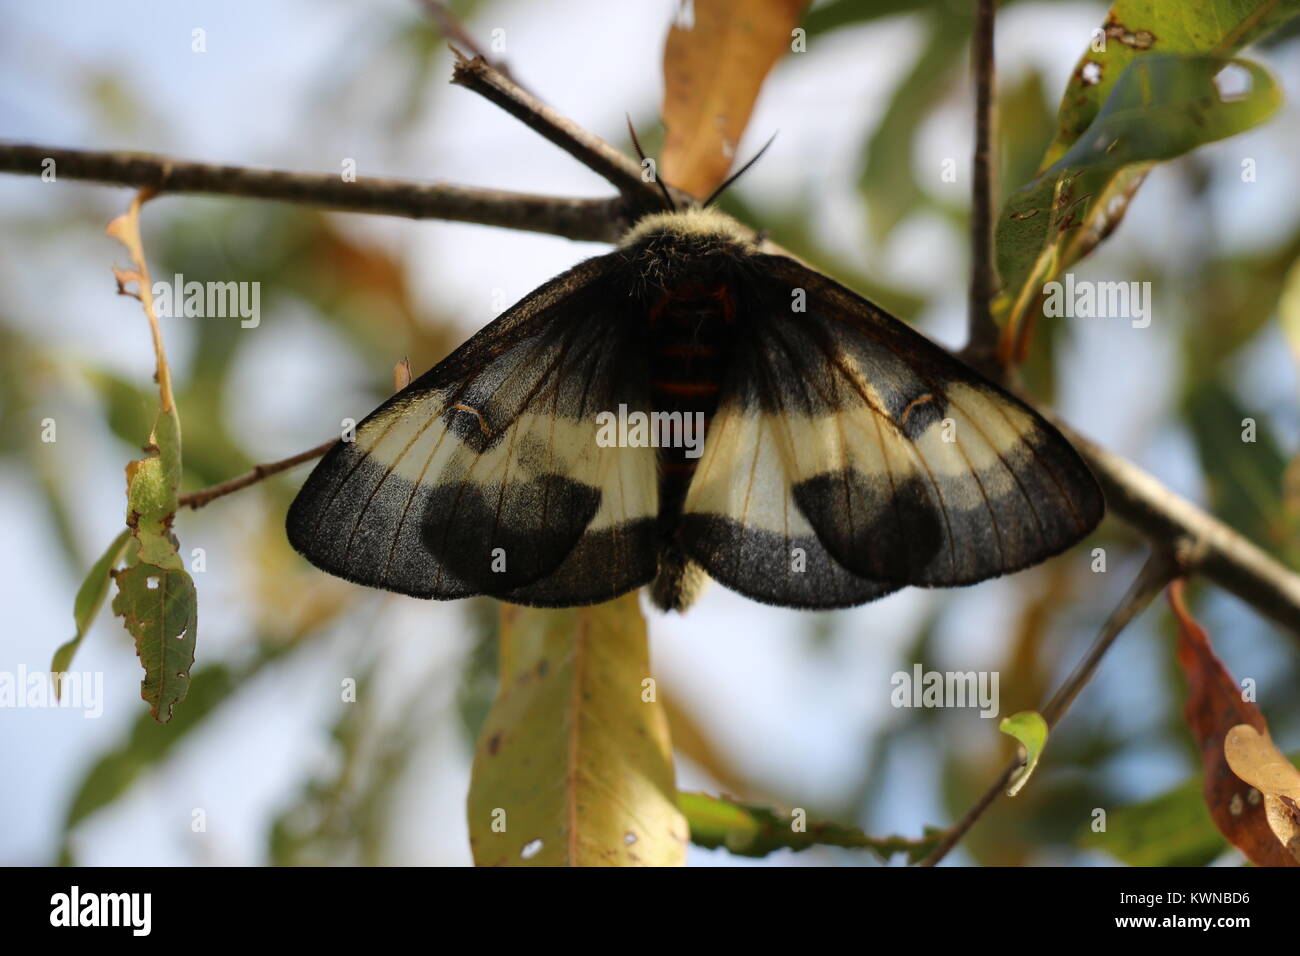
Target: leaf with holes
1134,28
160,609
1164,105
574,766
156,596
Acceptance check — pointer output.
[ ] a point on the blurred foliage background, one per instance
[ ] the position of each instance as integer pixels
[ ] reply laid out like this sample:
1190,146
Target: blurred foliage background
772,706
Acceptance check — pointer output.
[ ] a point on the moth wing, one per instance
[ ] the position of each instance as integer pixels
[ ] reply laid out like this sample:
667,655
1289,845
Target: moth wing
907,466
484,476
740,521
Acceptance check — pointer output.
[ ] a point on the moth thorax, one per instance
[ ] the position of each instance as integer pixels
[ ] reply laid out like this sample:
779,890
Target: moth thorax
704,227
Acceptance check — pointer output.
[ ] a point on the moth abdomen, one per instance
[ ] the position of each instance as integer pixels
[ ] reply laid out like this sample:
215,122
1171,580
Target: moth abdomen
691,326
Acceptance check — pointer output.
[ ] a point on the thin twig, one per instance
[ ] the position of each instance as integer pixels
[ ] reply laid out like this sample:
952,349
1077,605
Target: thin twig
197,499
953,835
126,230
613,165
1160,568
982,338
596,220
449,26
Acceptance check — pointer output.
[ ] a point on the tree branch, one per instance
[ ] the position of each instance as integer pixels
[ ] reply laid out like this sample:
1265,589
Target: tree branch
1160,568
197,499
616,167
596,220
1219,553
1210,547
982,337
450,27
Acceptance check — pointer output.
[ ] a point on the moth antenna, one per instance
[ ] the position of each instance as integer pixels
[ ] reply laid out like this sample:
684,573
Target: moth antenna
738,173
658,182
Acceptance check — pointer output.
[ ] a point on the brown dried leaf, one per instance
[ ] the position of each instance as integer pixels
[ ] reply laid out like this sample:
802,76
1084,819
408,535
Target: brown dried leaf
712,74
1284,820
401,375
1255,759
126,230
1214,709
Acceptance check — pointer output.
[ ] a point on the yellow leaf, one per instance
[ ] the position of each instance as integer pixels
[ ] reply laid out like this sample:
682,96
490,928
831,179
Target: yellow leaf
1288,308
712,73
574,764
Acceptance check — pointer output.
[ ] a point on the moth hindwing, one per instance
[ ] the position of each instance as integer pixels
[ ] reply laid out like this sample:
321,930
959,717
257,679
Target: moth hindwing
687,404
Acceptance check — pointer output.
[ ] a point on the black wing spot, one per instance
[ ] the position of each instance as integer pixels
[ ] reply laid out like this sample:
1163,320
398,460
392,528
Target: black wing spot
876,531
497,539
759,564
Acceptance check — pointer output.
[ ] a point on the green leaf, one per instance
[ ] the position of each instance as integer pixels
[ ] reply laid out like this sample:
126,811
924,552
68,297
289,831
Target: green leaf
90,598
1063,214
574,765
1173,829
152,484
1164,105
160,609
156,597
1137,28
750,830
1030,729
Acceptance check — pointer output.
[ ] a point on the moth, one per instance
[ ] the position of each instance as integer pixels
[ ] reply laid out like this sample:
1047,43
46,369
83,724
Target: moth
690,406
